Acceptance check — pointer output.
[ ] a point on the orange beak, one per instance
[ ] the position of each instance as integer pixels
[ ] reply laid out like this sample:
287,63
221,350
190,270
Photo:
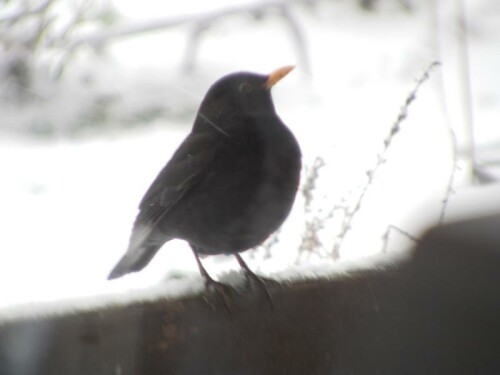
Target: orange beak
277,75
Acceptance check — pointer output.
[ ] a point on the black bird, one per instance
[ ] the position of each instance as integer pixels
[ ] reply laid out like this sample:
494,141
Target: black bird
229,185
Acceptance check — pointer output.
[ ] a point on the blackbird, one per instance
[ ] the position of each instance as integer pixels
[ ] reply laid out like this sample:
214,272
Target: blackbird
229,185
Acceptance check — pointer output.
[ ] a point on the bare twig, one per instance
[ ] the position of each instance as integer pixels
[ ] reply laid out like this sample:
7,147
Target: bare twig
395,128
309,185
268,245
451,179
447,117
316,219
390,228
313,224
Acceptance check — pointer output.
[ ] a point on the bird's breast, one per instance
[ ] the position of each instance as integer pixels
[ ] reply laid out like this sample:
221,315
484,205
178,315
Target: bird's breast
247,192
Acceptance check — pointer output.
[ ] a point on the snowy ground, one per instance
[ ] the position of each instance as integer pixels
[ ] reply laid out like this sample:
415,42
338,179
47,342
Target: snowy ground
67,204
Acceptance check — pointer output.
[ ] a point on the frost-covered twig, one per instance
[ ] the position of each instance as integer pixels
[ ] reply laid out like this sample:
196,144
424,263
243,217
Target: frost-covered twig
395,128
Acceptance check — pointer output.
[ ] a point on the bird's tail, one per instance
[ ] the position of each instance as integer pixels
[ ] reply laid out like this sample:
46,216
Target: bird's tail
133,261
144,243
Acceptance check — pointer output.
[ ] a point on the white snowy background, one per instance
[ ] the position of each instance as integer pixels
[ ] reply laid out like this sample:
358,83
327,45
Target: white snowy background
68,198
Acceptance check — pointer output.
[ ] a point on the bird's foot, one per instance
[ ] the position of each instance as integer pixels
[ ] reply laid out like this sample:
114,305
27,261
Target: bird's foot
221,289
262,282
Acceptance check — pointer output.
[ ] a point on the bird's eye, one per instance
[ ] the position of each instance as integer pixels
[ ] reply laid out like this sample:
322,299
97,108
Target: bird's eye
244,88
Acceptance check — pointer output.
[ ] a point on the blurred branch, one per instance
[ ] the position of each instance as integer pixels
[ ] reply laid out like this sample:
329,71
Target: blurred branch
26,11
449,35
371,5
435,32
35,39
159,24
201,22
298,37
464,71
451,179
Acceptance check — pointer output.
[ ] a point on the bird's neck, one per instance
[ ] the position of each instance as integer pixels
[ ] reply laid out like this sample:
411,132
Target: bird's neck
229,122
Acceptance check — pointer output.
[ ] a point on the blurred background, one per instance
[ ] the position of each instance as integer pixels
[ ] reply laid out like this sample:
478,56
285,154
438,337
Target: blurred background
95,95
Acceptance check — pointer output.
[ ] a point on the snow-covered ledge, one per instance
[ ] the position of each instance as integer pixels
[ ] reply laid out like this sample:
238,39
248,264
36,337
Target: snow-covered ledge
434,312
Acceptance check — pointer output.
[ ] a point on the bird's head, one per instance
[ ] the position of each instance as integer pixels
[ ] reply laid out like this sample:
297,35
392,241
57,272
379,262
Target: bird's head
240,95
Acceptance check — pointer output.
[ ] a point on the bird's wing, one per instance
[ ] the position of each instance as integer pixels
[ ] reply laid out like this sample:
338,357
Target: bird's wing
185,169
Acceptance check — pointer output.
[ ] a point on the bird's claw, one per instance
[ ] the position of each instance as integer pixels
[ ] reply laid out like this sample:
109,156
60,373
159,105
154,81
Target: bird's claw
263,283
222,290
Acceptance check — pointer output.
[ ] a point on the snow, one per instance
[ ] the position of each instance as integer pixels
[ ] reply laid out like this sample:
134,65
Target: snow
115,295
68,202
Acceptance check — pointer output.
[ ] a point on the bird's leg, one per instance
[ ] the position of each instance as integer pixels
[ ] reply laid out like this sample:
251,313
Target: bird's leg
262,282
220,288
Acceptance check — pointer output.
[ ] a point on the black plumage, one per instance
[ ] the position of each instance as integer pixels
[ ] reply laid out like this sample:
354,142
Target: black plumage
229,185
